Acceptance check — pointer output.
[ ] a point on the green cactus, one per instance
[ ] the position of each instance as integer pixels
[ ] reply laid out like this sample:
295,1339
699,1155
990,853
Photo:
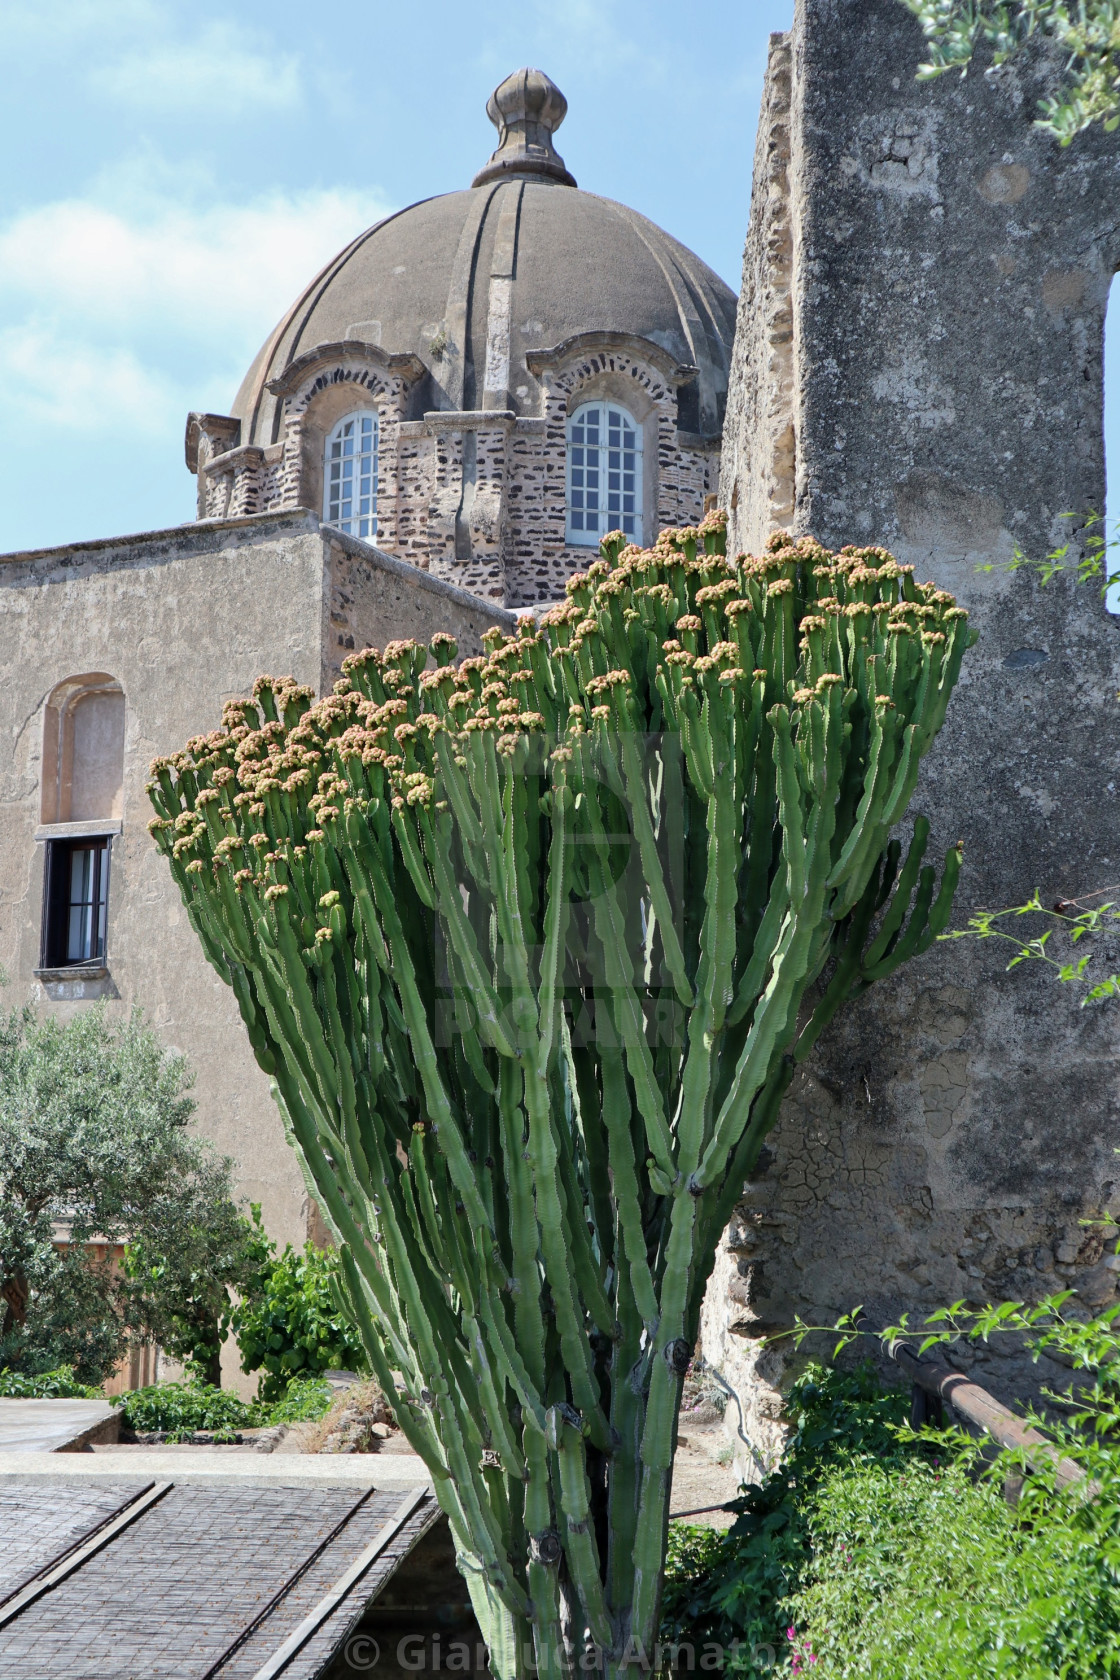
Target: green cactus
524,945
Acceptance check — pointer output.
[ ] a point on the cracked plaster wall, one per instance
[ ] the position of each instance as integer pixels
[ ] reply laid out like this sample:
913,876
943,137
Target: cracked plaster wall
920,334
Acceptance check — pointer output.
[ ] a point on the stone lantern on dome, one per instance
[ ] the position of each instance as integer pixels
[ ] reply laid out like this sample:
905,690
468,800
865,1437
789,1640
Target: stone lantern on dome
526,109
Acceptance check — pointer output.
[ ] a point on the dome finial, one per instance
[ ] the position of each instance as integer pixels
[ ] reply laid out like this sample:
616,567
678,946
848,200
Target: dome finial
526,109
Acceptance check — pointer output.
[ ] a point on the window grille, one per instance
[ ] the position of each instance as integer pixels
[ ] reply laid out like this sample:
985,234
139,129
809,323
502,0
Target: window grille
604,474
350,490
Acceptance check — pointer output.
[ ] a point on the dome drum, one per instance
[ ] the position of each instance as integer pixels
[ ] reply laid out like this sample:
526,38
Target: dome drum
475,326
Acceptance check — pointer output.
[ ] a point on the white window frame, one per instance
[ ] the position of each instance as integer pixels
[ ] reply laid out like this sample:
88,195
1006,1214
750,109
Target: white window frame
350,474
606,472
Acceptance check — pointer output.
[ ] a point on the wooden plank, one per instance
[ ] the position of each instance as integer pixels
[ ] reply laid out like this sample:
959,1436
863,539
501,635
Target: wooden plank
982,1409
36,1589
330,1601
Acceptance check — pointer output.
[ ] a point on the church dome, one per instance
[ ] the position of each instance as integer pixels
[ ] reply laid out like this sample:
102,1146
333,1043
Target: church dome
476,292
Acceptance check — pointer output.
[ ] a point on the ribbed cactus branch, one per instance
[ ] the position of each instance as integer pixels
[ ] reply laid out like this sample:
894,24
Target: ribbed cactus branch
524,943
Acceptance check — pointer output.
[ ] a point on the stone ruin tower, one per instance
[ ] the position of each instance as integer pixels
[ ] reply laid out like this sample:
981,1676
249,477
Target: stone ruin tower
918,363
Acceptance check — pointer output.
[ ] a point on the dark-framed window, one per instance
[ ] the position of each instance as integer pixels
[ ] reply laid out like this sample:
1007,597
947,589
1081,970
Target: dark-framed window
75,902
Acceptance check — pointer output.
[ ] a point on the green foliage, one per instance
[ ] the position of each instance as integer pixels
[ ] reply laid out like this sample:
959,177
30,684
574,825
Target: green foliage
1084,1427
182,1291
523,944
736,1588
46,1385
1066,923
926,1574
290,1323
1089,553
94,1143
305,1400
1085,35
876,1552
930,1573
182,1408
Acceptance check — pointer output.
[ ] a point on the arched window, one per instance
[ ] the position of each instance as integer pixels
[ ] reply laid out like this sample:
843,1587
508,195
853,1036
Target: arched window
604,474
350,475
81,807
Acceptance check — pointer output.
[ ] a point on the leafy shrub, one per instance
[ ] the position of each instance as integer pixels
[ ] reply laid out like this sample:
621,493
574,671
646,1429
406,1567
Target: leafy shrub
48,1385
94,1138
182,1408
1084,37
872,1552
737,1586
932,1574
290,1325
306,1400
181,1291
925,1575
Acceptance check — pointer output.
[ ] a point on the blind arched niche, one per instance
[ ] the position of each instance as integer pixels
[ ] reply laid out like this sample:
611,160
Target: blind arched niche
83,750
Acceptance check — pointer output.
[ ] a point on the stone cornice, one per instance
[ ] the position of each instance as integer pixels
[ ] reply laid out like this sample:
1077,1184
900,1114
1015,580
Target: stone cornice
213,425
245,455
697,441
472,420
628,344
409,367
192,533
469,419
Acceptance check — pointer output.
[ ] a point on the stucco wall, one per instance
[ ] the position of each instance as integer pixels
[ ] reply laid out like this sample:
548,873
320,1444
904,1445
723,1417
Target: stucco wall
935,272
184,619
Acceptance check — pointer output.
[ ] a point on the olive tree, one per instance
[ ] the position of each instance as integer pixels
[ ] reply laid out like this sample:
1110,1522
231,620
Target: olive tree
1085,37
95,1153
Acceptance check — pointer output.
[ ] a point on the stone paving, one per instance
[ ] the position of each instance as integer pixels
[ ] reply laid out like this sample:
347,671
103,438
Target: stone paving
51,1426
389,1470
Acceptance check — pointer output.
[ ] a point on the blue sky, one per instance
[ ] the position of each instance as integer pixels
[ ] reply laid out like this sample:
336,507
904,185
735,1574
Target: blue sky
174,174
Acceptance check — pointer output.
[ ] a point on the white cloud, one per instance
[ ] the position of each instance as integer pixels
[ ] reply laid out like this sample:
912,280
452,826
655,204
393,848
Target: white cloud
28,22
56,382
202,272
220,73
109,313
137,53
